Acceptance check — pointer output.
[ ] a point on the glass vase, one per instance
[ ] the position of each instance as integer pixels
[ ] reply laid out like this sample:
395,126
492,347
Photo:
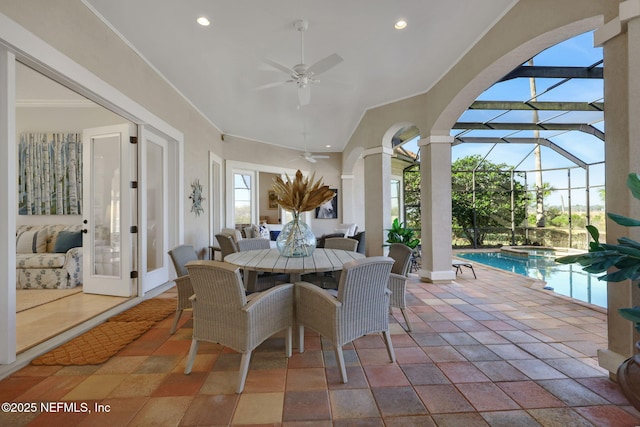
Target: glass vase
296,239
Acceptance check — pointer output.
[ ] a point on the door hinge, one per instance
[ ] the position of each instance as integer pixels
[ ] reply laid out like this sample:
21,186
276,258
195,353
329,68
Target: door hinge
133,139
133,184
133,229
134,275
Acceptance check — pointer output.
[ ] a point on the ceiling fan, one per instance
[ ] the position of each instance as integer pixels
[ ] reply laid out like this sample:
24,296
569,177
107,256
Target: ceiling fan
303,75
308,156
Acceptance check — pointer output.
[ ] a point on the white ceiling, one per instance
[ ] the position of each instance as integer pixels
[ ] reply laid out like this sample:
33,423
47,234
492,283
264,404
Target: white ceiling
218,68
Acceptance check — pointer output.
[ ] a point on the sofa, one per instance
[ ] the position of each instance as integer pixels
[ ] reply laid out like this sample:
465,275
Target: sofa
48,256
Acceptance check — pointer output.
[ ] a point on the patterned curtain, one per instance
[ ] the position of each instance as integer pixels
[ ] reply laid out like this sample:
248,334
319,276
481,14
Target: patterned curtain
50,174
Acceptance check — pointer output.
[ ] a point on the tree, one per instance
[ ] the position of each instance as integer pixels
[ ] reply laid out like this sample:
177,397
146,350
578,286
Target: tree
482,197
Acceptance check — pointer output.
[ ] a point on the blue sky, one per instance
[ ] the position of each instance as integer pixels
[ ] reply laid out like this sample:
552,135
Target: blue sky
578,51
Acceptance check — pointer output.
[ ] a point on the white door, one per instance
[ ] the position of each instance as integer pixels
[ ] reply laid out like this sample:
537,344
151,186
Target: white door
109,210
154,211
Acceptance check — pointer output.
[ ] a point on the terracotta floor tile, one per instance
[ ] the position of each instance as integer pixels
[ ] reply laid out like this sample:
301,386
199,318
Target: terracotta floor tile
410,421
120,412
424,374
203,362
385,375
220,382
530,395
306,379
158,364
565,417
396,401
161,411
51,388
138,385
308,359
95,387
462,372
572,393
474,353
542,350
353,404
488,337
306,405
121,365
373,356
441,399
266,380
458,420
411,355
444,354
350,358
537,369
14,386
179,384
369,341
429,339
608,415
574,368
259,408
359,422
606,388
487,397
355,376
458,338
509,351
517,418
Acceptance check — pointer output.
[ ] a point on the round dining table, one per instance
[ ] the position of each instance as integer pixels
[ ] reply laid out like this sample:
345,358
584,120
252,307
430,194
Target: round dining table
270,260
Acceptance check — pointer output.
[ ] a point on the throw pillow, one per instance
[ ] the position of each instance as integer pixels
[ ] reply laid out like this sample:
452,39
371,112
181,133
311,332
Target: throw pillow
264,232
67,240
32,242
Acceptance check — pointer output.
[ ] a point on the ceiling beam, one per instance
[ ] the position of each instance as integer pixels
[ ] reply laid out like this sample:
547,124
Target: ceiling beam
542,141
534,105
591,72
582,127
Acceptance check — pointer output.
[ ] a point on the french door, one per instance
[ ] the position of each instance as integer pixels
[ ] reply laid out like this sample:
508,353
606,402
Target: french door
109,210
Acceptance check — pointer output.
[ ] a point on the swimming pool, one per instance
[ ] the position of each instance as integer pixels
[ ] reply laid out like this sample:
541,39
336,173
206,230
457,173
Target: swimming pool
565,279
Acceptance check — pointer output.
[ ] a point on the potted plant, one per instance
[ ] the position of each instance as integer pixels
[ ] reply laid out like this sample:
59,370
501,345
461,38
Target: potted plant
619,262
399,233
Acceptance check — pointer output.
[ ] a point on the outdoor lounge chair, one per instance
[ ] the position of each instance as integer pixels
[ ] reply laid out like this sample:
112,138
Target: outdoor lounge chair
458,264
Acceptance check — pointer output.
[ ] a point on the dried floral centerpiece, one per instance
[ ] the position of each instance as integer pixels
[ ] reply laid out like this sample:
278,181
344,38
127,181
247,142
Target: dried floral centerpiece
296,196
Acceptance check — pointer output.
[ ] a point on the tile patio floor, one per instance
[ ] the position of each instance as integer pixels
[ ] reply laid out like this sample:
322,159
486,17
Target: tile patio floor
483,352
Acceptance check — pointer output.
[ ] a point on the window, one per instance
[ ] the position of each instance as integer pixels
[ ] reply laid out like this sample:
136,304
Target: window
242,189
395,199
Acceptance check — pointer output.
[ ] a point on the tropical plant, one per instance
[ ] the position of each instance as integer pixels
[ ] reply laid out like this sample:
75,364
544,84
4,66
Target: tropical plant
399,233
482,198
624,257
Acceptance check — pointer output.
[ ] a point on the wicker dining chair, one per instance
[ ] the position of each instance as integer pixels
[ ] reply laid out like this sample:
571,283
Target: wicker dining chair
256,281
360,308
223,314
343,243
401,255
180,256
227,243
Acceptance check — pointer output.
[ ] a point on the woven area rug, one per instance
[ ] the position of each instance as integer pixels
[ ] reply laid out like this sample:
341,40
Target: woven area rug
100,343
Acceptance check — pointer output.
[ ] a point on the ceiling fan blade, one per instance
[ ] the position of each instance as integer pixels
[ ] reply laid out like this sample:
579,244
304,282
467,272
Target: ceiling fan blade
321,157
310,159
325,64
270,85
279,66
304,95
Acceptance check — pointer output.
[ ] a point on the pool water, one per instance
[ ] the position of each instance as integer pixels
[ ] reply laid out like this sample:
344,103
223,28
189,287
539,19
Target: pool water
568,280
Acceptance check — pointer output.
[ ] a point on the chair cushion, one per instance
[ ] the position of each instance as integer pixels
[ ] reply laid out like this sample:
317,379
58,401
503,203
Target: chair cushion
67,240
32,242
44,260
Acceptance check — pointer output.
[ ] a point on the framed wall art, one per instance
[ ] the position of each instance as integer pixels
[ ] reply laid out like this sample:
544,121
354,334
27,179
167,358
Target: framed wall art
329,210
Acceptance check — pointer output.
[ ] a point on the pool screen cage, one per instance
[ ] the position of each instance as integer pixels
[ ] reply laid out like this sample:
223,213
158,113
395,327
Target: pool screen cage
500,207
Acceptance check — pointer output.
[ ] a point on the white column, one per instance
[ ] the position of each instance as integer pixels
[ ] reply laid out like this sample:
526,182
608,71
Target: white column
620,39
377,190
8,191
435,208
348,208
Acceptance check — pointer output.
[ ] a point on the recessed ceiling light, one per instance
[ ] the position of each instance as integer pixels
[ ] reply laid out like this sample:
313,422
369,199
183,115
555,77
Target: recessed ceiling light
400,25
203,21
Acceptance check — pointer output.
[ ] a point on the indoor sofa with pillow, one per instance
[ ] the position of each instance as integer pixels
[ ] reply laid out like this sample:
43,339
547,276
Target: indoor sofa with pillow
48,256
